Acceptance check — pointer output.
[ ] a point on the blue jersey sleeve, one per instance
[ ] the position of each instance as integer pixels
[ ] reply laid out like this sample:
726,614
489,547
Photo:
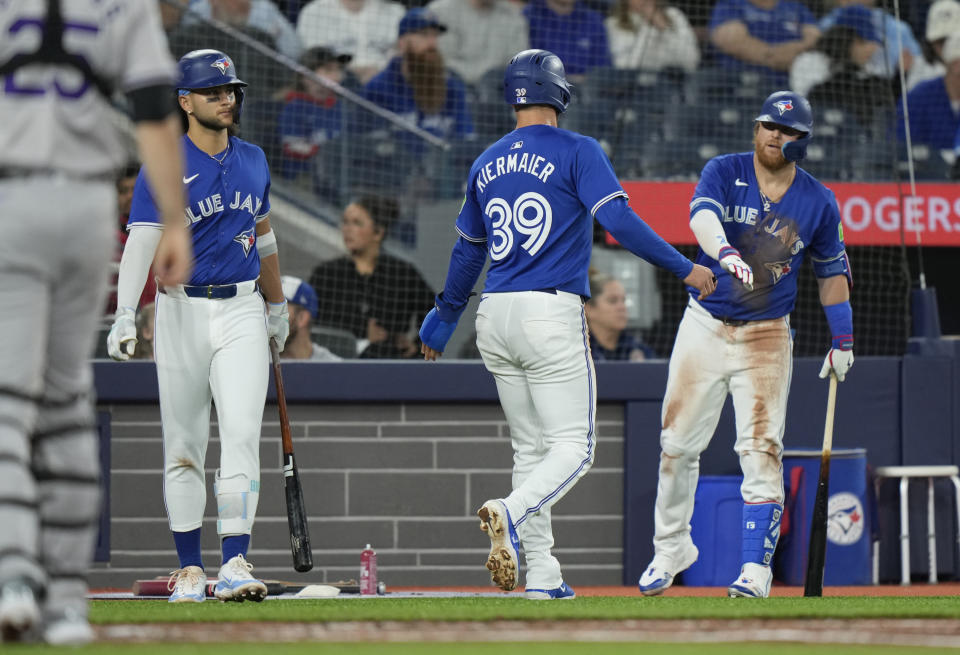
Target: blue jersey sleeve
470,223
827,249
143,209
596,182
806,16
725,11
711,190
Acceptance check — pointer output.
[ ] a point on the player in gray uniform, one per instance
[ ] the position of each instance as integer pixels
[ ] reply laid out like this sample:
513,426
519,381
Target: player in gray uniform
59,151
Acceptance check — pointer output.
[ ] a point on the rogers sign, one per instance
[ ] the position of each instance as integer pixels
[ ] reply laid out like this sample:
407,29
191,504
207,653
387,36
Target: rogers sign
871,212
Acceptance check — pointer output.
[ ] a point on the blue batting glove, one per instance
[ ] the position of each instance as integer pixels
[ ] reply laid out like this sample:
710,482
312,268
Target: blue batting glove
436,332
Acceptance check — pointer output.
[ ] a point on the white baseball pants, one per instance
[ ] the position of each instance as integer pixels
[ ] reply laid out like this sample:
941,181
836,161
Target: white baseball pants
536,346
211,349
754,364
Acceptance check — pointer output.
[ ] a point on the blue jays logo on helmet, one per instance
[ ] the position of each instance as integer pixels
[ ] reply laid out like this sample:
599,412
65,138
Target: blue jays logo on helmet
536,77
222,64
783,106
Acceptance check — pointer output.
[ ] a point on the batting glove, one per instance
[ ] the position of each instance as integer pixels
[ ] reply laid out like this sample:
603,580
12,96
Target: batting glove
122,339
730,259
838,361
440,323
278,323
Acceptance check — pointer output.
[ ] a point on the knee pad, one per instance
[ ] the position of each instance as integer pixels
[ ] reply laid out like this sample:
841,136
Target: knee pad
761,530
237,498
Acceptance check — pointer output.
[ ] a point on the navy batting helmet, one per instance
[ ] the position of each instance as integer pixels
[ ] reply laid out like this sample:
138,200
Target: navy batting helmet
790,110
536,77
205,69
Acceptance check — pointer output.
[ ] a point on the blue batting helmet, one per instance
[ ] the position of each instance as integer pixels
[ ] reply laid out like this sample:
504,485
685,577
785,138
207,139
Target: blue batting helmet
790,110
536,77
205,69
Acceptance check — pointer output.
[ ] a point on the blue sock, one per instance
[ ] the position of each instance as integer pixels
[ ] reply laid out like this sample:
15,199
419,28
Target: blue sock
188,548
234,545
761,530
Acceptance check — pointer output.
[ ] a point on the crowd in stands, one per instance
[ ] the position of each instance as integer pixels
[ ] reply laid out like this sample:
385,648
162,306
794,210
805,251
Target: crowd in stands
436,65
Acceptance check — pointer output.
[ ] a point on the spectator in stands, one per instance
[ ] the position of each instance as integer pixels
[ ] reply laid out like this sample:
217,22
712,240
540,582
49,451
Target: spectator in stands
125,181
481,36
835,72
418,86
572,32
261,14
895,37
943,19
366,29
932,104
651,35
267,78
171,13
302,306
377,297
606,313
761,35
311,117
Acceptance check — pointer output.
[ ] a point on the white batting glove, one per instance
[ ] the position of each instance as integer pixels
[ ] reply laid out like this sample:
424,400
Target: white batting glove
278,323
838,361
122,339
730,259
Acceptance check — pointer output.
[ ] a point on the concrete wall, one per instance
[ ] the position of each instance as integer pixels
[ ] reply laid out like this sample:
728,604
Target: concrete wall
407,478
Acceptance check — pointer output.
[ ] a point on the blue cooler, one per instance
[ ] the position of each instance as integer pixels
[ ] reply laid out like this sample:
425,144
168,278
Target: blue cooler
848,517
715,529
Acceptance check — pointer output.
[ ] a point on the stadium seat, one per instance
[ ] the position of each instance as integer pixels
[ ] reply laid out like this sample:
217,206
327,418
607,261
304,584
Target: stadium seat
340,342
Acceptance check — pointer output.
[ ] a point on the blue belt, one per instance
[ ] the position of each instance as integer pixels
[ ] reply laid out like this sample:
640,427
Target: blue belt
554,292
213,291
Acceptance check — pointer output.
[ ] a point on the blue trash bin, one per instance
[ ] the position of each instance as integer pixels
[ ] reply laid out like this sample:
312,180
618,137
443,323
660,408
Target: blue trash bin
715,530
848,517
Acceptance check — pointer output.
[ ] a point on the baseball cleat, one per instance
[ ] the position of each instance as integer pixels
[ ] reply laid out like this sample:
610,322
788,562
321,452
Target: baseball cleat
70,628
754,582
188,585
504,544
660,573
19,612
235,583
563,592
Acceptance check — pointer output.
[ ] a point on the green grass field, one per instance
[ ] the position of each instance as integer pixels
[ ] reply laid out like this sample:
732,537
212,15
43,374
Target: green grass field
380,610
489,609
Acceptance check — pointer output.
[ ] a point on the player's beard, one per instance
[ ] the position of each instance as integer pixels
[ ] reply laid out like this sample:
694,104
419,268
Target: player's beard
428,77
216,123
772,162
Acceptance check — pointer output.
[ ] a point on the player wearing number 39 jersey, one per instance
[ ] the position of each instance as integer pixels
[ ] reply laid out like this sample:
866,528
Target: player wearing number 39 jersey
756,216
530,204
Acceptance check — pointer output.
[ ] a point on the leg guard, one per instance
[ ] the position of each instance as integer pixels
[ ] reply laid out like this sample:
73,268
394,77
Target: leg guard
66,465
761,530
237,498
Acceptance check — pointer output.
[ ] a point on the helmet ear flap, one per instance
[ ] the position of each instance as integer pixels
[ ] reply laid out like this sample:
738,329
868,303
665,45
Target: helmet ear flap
796,150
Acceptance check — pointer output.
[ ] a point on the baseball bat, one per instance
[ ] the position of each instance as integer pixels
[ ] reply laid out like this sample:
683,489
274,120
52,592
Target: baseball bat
296,510
816,552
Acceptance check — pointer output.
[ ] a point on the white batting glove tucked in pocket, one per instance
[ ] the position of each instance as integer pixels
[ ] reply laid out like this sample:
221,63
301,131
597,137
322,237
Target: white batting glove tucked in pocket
122,339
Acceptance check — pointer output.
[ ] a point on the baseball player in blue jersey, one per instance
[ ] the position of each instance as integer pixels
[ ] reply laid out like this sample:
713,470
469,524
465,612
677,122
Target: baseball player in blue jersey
211,334
756,216
530,204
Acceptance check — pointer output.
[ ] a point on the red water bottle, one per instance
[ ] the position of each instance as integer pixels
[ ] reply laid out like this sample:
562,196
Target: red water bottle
368,571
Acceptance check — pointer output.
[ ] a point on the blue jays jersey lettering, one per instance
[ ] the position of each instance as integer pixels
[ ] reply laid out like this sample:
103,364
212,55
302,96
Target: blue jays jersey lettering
225,203
772,237
532,197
